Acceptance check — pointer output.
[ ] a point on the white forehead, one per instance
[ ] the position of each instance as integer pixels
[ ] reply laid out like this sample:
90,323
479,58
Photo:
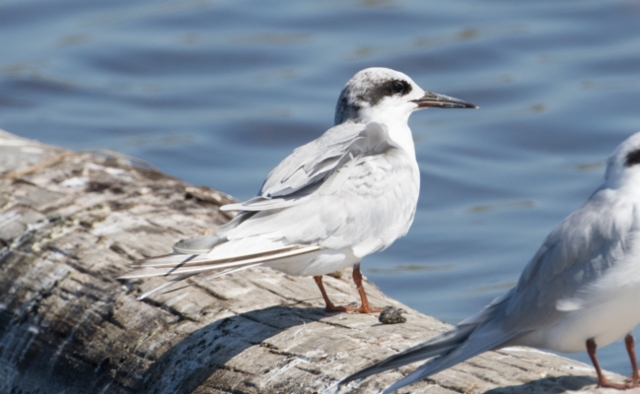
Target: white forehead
629,145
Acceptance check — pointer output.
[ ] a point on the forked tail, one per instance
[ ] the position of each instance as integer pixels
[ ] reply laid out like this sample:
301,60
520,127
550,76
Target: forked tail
444,351
225,259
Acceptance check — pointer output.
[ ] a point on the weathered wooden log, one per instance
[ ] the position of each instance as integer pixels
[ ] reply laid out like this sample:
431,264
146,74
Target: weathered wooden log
71,222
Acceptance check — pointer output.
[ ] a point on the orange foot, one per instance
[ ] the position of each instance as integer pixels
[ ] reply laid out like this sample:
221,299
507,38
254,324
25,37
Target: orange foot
605,383
634,379
369,309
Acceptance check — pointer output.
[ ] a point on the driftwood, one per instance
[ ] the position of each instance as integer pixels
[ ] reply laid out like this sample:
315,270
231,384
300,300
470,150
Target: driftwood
71,222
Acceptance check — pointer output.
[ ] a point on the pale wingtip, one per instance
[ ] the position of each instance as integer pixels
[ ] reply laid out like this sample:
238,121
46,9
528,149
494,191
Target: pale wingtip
198,245
333,388
145,295
137,276
126,276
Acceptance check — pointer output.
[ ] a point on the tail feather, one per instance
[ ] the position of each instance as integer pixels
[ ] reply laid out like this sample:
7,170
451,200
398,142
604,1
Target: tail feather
165,285
186,276
437,346
444,351
226,258
197,245
480,341
177,264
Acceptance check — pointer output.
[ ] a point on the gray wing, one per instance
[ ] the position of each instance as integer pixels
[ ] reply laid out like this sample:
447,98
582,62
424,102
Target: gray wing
360,193
303,172
584,248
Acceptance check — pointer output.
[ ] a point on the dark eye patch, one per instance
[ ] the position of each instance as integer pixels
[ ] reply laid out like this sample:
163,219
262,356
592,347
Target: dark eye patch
400,87
633,158
388,88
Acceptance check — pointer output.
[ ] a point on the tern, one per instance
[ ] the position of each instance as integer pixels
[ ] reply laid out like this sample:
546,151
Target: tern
580,291
345,195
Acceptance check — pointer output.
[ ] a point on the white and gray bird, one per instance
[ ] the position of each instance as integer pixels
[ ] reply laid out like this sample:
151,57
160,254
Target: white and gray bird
579,292
347,194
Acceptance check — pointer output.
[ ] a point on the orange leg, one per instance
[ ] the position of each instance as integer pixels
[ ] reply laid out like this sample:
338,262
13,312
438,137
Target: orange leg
630,343
602,380
329,305
357,278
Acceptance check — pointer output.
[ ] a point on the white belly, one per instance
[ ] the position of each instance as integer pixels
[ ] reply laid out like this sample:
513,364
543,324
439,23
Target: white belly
605,322
316,264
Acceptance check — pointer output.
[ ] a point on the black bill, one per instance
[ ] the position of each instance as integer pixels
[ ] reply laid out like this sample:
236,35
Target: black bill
431,99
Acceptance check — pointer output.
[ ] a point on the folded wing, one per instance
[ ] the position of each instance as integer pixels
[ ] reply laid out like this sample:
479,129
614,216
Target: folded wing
303,172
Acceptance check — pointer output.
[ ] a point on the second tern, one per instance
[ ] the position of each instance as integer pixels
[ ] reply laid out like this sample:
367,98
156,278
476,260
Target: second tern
579,292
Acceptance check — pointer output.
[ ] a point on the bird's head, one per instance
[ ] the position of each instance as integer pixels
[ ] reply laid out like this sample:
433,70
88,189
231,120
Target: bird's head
623,166
387,96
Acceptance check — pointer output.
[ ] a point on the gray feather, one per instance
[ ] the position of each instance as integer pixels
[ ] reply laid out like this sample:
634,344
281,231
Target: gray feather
180,264
480,340
302,173
197,245
437,346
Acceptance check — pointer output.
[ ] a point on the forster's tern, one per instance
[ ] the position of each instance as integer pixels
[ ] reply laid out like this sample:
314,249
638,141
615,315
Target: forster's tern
579,292
347,194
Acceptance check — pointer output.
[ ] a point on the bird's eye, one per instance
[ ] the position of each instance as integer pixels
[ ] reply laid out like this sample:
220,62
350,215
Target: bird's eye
389,88
632,158
398,87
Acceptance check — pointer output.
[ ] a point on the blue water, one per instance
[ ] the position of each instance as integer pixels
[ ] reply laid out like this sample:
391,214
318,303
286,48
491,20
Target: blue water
218,92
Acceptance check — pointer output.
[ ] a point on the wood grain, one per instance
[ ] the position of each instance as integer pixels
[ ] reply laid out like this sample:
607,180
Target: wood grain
71,222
